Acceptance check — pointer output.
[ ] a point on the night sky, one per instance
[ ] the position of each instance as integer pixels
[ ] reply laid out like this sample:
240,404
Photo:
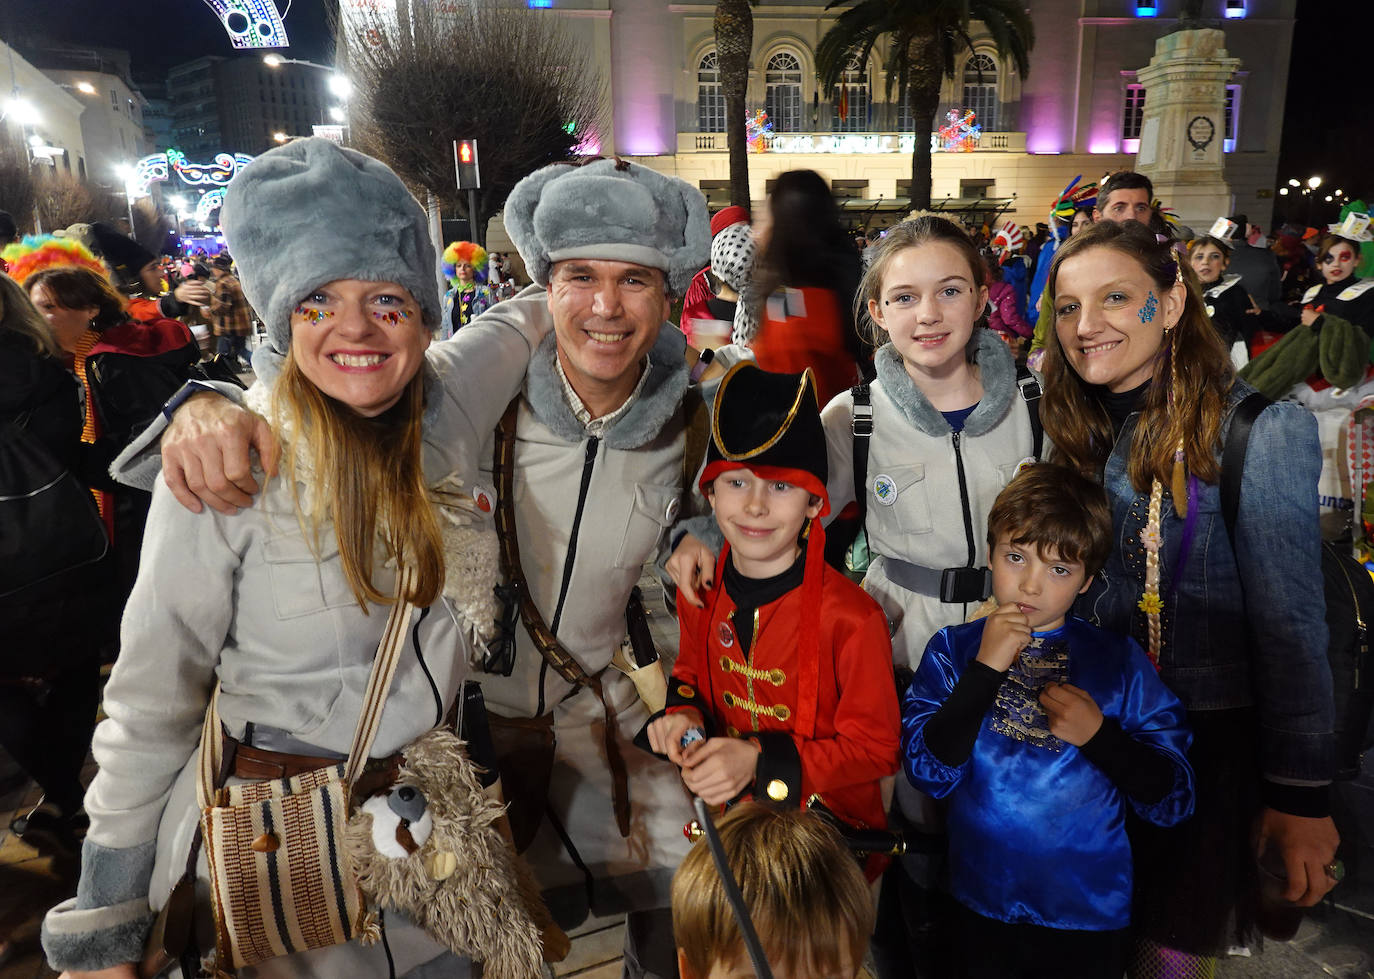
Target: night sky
1328,124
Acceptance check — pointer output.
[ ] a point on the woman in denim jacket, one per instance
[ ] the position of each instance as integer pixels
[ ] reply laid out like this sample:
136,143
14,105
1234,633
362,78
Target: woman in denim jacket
1140,392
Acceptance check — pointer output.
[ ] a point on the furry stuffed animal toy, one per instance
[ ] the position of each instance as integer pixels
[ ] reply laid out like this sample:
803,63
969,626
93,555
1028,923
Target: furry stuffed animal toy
431,846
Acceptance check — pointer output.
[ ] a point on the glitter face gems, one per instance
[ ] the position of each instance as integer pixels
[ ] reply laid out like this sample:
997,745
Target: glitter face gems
1147,312
311,314
391,317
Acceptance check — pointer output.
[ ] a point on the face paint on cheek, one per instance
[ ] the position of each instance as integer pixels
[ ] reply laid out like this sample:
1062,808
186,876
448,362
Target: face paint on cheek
1344,256
392,317
1147,312
312,314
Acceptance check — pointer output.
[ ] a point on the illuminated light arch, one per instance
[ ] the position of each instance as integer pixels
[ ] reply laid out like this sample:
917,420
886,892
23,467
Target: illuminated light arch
209,201
251,23
159,167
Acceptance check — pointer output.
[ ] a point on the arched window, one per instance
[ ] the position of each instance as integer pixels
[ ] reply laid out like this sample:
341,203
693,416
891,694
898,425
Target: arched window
710,97
980,90
783,93
851,102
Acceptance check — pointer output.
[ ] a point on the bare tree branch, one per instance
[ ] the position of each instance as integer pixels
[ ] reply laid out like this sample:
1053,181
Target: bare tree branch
511,79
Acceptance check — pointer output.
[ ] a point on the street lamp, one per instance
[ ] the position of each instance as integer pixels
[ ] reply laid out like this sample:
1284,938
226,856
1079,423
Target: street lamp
1283,191
1314,182
85,88
339,84
1293,182
280,137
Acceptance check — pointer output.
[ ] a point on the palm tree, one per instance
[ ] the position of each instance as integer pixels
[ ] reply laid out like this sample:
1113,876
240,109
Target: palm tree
924,36
734,27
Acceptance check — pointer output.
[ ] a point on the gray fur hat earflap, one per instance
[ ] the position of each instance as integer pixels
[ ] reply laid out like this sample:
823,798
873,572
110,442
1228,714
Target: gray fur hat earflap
311,212
610,210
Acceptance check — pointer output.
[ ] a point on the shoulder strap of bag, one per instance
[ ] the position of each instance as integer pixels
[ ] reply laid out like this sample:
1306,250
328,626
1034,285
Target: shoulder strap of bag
212,762
544,640
1233,458
504,471
861,427
1030,394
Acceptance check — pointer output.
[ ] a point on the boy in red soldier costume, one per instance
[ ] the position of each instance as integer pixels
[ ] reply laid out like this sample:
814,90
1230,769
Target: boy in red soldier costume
783,685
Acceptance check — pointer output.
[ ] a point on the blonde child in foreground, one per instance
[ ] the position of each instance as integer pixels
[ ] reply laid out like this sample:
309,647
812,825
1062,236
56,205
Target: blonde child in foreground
808,900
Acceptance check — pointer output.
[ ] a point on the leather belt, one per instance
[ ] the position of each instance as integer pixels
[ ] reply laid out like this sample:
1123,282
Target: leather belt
953,585
260,765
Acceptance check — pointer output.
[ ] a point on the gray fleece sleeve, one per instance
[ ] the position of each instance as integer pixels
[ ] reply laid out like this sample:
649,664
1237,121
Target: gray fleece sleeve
107,923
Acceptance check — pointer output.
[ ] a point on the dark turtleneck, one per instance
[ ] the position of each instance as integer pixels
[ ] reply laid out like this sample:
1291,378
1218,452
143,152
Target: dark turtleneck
749,594
1119,407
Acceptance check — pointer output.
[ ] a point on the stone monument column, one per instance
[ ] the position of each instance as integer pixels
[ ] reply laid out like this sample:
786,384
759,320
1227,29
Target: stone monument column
1184,124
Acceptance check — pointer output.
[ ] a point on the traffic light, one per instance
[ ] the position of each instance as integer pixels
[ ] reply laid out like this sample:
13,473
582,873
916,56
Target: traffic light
465,160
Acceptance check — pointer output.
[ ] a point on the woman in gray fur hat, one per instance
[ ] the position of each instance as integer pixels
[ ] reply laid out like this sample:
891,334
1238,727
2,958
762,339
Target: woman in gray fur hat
283,605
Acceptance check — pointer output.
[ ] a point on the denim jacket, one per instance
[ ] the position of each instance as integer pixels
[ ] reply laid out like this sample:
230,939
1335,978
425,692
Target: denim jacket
1239,628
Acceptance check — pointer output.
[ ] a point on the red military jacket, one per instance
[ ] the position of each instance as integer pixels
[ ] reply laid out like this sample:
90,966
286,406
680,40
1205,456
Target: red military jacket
836,743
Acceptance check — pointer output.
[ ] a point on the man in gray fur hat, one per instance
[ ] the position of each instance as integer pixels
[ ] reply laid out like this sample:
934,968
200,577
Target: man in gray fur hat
597,478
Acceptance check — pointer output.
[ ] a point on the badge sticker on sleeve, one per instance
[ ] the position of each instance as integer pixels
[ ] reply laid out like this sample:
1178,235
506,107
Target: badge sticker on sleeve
484,498
674,507
1023,465
725,634
885,489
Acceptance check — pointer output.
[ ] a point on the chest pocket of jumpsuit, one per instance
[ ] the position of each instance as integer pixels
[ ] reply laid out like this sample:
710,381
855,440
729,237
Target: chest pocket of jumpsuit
654,509
911,508
301,583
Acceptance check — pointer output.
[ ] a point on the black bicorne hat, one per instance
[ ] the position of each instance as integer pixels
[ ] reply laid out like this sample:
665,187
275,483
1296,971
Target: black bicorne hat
770,424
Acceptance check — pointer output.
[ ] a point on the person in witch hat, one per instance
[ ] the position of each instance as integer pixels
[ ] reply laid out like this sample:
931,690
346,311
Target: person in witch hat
783,684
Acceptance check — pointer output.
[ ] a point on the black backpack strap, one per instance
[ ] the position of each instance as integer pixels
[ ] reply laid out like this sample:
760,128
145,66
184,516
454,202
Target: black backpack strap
1030,390
861,426
1233,457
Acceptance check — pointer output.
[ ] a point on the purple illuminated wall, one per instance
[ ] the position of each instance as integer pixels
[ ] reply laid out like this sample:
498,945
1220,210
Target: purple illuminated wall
641,53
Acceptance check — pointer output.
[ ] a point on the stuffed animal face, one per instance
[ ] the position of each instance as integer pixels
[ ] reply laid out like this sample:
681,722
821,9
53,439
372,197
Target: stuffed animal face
429,846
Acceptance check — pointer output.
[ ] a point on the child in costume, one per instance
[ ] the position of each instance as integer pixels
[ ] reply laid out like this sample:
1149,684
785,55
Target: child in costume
786,671
1040,729
950,423
804,893
468,297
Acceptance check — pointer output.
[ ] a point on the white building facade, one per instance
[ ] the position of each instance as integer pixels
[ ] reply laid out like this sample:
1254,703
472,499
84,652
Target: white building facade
1078,112
41,115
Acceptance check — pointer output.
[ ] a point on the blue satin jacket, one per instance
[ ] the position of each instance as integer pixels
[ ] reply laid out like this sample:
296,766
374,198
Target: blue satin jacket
1037,832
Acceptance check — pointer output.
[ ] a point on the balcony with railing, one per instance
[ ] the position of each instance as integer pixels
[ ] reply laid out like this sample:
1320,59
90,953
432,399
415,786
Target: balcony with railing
848,143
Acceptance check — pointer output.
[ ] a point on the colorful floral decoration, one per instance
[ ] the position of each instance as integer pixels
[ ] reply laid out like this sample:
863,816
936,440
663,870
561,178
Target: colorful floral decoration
756,132
1149,539
960,134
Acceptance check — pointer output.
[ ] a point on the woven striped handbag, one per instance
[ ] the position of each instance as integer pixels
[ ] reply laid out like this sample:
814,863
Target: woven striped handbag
280,881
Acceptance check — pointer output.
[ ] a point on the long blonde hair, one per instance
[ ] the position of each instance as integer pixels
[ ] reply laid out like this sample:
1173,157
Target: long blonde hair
366,479
1197,383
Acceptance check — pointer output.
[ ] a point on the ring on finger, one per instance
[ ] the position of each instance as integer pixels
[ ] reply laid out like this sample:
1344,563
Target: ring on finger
1335,870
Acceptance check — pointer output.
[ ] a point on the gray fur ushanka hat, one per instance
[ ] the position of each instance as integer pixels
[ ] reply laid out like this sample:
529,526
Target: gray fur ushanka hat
610,210
311,212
